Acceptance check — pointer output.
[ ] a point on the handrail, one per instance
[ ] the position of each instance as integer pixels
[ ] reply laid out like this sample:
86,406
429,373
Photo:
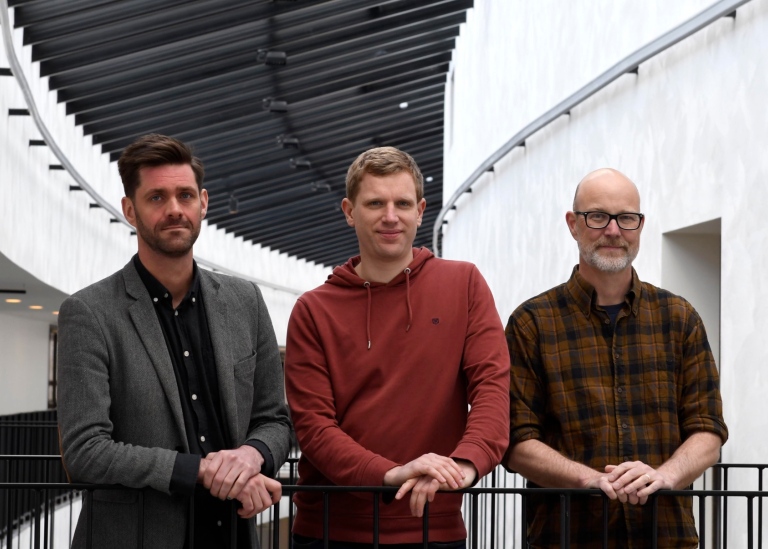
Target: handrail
626,65
67,165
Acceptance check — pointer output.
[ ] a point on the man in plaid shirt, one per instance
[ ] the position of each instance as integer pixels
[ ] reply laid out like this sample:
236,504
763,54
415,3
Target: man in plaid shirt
613,386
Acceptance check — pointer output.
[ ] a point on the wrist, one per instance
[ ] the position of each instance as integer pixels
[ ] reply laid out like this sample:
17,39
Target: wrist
391,476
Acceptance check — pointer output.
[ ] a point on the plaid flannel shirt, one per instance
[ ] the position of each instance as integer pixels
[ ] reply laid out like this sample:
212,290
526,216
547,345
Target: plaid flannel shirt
602,393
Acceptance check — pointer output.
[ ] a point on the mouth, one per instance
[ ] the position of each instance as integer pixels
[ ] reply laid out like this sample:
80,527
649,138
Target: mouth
174,228
389,235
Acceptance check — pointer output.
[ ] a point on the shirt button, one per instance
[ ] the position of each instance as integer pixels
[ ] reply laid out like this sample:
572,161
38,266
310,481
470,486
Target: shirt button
193,300
194,397
166,295
616,355
154,299
624,426
202,439
620,389
186,353
607,320
175,313
218,523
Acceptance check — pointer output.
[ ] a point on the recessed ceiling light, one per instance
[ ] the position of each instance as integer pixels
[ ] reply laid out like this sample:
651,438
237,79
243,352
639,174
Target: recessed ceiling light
12,300
55,313
430,179
36,307
404,105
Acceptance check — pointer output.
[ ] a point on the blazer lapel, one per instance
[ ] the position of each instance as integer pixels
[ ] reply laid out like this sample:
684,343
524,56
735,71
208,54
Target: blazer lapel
221,333
148,327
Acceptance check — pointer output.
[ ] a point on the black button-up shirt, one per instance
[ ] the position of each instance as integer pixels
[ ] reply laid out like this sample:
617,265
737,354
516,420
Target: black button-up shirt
188,339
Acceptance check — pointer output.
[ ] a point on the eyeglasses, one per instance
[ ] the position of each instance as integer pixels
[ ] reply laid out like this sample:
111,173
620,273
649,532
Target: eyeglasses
600,220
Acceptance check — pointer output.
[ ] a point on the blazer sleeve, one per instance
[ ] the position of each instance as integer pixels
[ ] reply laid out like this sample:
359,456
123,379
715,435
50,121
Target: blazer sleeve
89,452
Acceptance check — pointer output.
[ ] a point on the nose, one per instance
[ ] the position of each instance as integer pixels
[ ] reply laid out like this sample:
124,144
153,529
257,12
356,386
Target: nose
173,208
613,228
390,214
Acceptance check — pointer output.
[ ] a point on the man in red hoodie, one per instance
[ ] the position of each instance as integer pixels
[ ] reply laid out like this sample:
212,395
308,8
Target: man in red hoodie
383,362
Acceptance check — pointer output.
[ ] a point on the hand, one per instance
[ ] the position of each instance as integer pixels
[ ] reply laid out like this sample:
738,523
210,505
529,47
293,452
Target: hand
634,481
258,494
424,476
424,488
443,469
228,471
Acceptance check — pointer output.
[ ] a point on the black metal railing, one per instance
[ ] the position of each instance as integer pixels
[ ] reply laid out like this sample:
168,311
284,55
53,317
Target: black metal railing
487,508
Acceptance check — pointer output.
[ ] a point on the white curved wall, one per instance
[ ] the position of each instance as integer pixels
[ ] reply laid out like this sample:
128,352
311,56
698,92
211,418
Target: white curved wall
691,129
54,234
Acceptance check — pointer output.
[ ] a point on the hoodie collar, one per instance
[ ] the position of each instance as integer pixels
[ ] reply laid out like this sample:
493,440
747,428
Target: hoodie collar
345,275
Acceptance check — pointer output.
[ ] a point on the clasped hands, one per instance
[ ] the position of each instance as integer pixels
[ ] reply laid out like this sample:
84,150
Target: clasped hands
631,482
427,474
236,474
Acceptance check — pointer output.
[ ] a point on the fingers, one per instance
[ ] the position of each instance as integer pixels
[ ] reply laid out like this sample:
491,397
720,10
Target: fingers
442,468
258,494
228,471
422,492
405,488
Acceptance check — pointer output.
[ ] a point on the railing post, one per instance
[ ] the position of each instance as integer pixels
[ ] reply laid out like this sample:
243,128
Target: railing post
232,525
760,509
375,521
702,522
140,521
725,508
564,541
750,522
475,521
276,524
191,522
605,521
36,515
494,520
326,520
524,526
88,519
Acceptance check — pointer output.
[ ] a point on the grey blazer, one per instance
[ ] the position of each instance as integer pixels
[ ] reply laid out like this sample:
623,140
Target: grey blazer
119,409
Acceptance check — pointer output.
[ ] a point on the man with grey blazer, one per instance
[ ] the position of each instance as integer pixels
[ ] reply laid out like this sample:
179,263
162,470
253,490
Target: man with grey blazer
170,378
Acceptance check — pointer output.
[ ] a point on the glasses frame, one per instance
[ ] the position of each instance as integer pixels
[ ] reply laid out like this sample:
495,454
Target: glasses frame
612,217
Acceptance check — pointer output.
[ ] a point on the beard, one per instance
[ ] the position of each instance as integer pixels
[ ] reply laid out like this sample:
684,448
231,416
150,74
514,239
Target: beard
168,244
608,262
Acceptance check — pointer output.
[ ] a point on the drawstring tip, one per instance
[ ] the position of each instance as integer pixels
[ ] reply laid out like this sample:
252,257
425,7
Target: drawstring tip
408,328
369,344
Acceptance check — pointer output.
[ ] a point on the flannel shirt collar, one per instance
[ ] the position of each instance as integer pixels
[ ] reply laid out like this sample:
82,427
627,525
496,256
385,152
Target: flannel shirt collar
585,296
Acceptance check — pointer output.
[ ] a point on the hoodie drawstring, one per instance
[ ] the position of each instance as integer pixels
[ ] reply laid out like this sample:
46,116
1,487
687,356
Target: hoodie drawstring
367,285
408,297
368,314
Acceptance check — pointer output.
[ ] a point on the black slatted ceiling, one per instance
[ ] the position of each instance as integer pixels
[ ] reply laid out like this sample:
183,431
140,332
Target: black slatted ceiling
192,69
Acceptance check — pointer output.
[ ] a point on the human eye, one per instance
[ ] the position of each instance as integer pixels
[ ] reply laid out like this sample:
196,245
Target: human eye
598,217
186,195
404,203
628,218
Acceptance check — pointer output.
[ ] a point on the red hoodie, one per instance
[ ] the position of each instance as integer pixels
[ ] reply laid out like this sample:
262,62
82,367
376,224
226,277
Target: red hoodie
380,374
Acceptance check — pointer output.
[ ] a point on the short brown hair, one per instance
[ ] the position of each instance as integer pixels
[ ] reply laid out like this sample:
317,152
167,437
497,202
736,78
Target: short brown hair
383,161
155,150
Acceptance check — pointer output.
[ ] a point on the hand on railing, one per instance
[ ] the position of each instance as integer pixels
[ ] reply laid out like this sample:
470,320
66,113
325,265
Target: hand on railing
236,474
427,474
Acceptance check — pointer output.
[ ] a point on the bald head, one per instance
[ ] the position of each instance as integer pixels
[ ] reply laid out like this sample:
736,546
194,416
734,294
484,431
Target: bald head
603,186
